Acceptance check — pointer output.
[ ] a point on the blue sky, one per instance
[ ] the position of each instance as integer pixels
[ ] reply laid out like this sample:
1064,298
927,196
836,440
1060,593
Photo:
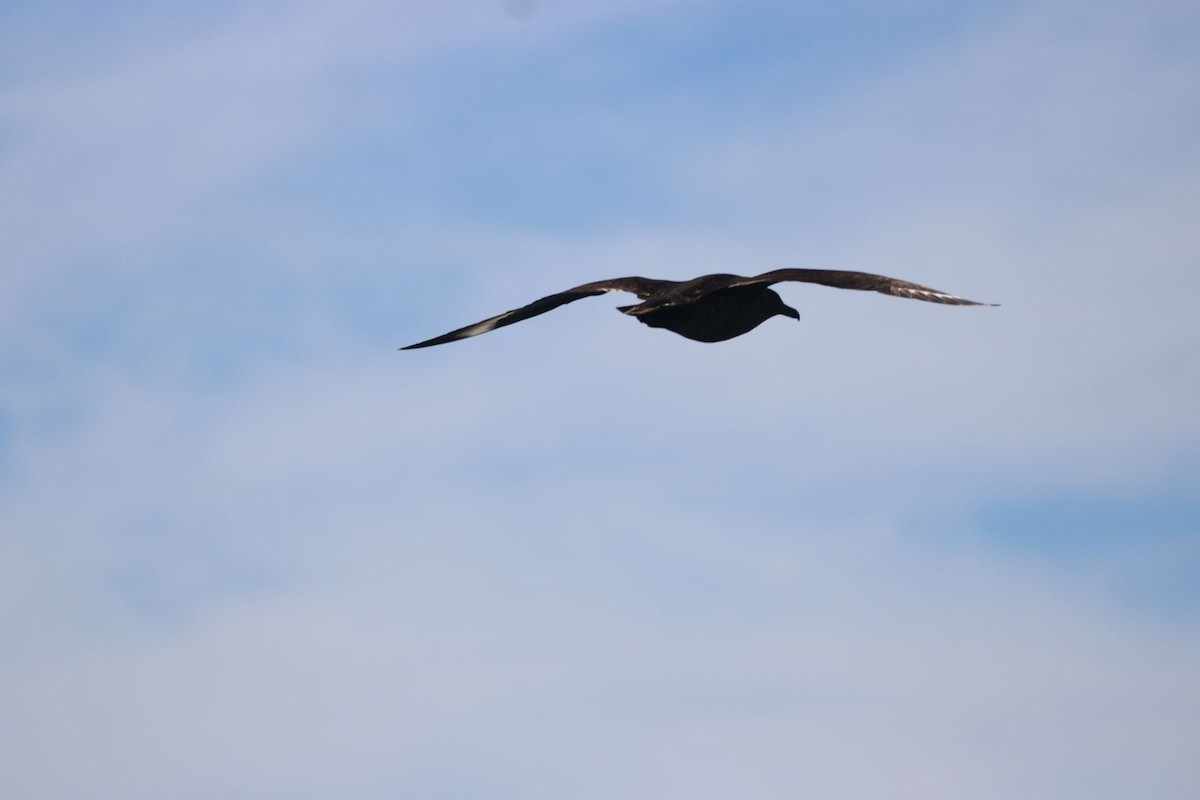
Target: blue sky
247,549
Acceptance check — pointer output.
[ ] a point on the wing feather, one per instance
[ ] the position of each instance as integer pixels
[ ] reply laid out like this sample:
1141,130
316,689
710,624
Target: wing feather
863,281
642,287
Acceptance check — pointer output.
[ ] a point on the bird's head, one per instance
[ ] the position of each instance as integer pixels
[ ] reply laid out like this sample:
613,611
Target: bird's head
772,304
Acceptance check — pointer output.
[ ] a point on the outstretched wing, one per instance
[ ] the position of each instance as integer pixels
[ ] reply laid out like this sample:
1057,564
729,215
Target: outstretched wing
642,287
859,280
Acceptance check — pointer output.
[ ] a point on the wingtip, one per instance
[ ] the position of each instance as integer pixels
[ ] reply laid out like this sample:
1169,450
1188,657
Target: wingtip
428,342
978,304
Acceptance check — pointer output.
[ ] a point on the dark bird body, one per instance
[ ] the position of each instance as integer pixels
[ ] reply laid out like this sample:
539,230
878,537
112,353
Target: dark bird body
711,308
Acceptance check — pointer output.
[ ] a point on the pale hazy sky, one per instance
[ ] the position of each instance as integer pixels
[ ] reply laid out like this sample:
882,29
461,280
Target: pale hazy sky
896,550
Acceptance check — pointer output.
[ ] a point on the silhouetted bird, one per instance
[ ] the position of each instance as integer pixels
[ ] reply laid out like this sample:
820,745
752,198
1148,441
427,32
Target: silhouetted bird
711,308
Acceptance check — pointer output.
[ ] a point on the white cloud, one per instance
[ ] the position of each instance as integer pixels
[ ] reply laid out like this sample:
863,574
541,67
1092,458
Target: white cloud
871,666
579,557
120,163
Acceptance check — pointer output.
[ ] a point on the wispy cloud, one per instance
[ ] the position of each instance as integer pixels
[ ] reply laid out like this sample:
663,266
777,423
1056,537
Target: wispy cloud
249,550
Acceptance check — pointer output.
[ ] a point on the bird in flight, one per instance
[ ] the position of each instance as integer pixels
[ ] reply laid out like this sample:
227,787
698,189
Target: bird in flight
711,308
